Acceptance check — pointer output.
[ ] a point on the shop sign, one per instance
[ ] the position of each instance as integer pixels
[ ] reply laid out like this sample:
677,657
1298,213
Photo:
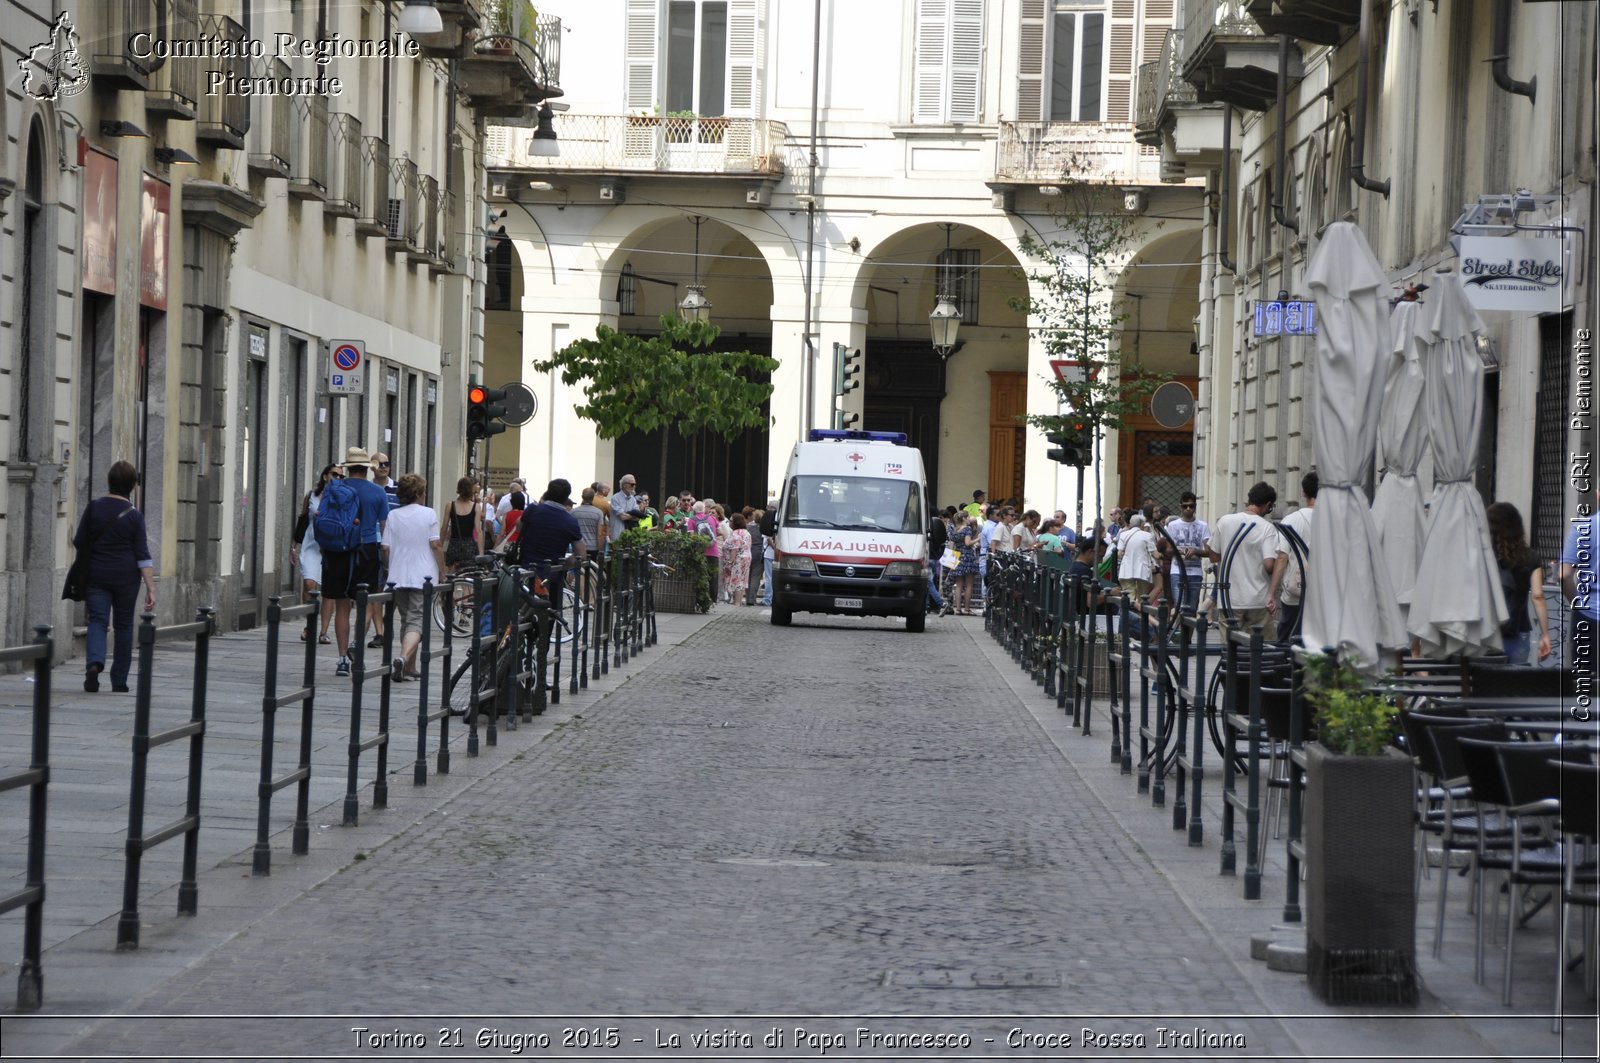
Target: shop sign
1514,272
155,214
99,222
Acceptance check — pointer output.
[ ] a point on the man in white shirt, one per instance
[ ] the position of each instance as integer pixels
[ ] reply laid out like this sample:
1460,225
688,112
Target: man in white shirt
1136,549
502,507
1252,563
1189,533
412,553
1292,587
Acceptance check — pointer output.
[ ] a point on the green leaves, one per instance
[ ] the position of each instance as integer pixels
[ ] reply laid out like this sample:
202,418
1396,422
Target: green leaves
1351,718
645,383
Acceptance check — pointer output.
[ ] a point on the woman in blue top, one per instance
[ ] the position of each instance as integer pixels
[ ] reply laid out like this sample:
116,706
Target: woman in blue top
112,533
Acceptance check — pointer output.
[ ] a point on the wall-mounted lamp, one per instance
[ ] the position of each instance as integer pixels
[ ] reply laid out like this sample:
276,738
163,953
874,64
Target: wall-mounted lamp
545,186
114,128
420,16
1135,200
1049,190
545,145
175,157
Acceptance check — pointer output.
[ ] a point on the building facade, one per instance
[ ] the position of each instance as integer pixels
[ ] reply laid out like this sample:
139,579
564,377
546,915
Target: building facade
1419,122
830,203
221,196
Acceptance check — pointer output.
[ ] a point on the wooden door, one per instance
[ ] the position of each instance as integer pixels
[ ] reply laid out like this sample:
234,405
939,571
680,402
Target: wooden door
1008,400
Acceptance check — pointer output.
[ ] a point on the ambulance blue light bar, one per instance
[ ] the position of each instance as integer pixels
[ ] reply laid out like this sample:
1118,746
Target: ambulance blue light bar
819,435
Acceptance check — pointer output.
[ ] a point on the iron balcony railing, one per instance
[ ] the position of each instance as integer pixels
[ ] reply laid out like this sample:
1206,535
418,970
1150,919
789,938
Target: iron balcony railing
272,132
224,113
1207,19
345,144
373,215
428,203
312,177
1097,152
118,50
175,84
514,30
1161,84
662,144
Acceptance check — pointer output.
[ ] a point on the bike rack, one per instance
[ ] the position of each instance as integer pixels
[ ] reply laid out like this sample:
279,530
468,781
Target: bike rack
271,701
187,825
36,777
426,655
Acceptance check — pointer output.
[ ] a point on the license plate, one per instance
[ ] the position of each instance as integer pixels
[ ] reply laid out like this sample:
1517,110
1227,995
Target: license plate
847,603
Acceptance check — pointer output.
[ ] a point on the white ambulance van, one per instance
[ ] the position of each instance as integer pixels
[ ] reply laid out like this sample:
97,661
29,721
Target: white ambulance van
852,529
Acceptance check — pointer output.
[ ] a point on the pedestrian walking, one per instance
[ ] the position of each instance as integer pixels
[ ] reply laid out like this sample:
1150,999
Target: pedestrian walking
412,553
462,527
349,529
592,522
1296,540
516,501
1521,580
758,542
1187,570
307,554
116,553
736,560
1136,548
1252,562
391,491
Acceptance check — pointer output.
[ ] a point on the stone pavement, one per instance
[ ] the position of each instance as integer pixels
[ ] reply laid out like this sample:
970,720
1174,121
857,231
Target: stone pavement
798,833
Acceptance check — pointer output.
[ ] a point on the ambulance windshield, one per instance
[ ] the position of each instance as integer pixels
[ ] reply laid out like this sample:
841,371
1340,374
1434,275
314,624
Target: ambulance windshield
855,503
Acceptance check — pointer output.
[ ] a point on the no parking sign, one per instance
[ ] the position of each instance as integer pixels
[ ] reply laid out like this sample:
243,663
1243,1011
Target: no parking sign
347,371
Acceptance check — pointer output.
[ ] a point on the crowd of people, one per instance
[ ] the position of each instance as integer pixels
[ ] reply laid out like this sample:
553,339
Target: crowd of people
360,525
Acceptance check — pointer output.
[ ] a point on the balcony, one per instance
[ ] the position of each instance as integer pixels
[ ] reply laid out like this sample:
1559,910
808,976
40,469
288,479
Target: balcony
113,59
1047,153
224,116
448,235
405,214
372,213
599,143
514,60
1170,116
273,127
1317,21
311,177
1229,59
345,192
174,86
460,18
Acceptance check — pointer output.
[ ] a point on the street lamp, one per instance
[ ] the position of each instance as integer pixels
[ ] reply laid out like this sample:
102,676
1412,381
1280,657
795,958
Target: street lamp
946,316
420,16
545,144
695,305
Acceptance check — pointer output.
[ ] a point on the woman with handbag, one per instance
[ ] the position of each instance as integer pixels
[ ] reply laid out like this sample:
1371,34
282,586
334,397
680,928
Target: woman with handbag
113,555
462,527
305,552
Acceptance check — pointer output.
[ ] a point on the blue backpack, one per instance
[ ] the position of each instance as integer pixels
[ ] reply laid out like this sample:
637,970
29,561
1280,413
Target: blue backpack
337,527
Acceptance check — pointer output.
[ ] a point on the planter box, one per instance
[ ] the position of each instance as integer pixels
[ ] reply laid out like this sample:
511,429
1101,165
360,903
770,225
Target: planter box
673,595
1360,890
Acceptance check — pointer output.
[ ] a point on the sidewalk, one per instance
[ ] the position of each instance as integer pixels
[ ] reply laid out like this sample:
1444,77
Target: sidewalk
90,763
1456,1017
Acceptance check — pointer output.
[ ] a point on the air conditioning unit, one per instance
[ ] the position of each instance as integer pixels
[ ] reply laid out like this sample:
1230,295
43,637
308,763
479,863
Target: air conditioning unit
397,219
758,195
612,192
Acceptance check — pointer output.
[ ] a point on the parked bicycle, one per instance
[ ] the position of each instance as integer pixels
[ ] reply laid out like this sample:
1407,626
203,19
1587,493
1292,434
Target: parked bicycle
453,605
528,668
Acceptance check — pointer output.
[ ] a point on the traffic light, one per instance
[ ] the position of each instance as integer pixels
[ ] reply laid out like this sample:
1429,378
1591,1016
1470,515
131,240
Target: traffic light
1072,446
846,378
485,408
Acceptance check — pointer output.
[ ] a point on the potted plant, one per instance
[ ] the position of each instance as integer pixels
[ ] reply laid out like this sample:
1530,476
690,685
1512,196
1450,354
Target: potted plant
684,586
1360,890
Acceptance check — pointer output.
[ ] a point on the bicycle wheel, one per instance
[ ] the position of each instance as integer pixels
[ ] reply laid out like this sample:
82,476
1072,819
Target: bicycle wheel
565,633
454,600
459,693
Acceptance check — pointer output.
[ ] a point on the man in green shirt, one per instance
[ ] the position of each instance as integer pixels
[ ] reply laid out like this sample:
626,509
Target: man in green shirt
975,507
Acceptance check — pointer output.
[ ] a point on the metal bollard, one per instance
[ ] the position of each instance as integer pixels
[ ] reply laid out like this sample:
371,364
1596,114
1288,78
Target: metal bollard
359,674
36,777
425,659
271,702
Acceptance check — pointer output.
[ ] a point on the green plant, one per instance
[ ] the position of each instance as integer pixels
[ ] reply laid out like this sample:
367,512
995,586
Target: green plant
683,553
1351,718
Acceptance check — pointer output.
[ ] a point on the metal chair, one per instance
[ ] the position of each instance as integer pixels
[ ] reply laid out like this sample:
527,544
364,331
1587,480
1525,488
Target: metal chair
1580,810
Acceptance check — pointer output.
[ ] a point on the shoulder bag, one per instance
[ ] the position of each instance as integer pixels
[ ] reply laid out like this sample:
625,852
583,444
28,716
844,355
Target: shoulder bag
76,587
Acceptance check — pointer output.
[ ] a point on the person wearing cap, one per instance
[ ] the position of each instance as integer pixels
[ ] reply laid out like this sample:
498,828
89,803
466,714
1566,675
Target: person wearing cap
391,489
548,532
976,507
345,570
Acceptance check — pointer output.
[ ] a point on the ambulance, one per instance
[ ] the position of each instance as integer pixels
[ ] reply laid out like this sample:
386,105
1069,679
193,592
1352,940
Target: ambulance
852,529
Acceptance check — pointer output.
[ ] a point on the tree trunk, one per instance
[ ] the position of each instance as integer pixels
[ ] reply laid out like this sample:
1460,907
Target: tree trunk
660,493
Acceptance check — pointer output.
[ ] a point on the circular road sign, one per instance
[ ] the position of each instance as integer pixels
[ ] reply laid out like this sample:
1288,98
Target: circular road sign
347,356
1172,405
521,404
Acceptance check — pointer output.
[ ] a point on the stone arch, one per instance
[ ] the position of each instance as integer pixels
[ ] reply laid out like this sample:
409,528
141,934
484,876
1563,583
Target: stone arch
609,244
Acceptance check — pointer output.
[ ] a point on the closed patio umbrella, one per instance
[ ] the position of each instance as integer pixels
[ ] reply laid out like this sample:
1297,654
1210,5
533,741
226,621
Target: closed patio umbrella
1456,603
1349,602
1402,440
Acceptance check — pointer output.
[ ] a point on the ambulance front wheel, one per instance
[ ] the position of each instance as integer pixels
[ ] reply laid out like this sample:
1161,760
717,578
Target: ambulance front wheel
782,616
917,621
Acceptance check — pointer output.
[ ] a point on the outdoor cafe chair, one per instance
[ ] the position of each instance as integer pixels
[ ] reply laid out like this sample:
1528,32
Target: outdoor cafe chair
1491,679
1580,796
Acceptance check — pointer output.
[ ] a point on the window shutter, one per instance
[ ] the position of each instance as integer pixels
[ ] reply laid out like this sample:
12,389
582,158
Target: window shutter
1119,72
1030,62
966,61
1157,21
746,33
933,24
643,41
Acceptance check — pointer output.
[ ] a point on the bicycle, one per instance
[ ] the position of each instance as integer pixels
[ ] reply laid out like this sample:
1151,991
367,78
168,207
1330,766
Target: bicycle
499,669
457,605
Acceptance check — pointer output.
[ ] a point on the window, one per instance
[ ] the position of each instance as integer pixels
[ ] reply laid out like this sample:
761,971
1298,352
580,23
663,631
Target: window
949,62
502,260
697,56
627,290
1078,62
957,276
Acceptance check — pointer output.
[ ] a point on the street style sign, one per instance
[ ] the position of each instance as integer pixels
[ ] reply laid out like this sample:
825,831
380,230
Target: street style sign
1514,272
347,372
521,404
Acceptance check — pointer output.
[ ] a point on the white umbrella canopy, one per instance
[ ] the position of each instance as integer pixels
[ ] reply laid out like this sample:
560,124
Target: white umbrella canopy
1402,440
1457,606
1349,602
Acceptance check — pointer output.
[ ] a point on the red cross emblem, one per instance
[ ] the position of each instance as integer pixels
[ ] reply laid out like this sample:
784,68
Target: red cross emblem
857,457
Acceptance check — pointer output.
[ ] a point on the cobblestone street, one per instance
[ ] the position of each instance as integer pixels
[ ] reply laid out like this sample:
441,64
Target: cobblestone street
832,820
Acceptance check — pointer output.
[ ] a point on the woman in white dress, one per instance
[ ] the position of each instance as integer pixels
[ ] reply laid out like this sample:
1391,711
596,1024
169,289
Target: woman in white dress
307,554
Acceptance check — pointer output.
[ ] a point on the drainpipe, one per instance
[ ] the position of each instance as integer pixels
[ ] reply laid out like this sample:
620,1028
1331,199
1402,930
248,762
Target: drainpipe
1227,189
1283,134
388,35
1358,137
1500,58
808,368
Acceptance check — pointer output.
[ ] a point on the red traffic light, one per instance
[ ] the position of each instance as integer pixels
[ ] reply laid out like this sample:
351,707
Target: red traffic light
477,395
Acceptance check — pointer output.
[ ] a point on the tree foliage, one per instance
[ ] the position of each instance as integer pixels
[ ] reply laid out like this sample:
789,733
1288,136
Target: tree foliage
1080,317
672,380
